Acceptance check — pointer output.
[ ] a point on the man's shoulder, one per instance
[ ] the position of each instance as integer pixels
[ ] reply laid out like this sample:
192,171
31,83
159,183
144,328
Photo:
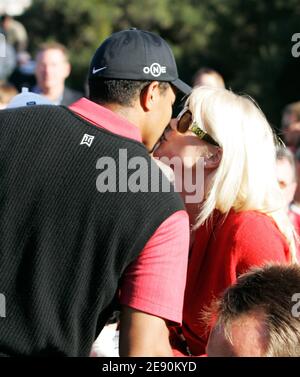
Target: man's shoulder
34,117
31,110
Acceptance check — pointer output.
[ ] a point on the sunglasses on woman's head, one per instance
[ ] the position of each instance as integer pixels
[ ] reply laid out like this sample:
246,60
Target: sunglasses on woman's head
185,122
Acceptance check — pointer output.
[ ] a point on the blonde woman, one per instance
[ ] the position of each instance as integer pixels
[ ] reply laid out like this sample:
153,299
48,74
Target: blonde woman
242,220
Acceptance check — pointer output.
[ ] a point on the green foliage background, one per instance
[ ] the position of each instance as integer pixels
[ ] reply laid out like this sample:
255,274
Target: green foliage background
248,41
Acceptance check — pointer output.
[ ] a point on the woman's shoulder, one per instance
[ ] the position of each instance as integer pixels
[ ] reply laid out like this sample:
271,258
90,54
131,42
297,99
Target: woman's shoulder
240,224
256,237
252,228
249,220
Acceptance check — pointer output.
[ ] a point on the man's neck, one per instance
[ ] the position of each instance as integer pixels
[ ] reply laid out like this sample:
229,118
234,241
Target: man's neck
131,114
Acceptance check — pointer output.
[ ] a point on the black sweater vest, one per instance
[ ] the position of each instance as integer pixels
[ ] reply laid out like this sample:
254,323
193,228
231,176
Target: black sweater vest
64,244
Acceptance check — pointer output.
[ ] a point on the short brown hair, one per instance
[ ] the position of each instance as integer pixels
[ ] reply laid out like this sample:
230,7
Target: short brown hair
53,46
122,92
270,289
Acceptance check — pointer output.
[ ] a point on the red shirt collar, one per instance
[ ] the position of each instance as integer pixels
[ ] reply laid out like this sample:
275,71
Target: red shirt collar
105,118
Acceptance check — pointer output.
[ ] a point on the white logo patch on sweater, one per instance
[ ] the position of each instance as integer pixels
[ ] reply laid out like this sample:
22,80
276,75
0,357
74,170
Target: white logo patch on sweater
87,140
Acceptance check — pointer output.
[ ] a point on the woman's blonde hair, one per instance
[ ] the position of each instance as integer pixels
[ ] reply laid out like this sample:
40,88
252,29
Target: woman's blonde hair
246,177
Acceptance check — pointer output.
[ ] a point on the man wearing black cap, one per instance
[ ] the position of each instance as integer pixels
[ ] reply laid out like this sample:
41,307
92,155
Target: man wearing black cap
73,244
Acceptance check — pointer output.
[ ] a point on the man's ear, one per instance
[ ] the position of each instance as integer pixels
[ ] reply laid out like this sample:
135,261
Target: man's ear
67,70
149,95
213,161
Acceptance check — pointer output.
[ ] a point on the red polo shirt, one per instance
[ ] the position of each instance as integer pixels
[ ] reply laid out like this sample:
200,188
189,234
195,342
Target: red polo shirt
154,283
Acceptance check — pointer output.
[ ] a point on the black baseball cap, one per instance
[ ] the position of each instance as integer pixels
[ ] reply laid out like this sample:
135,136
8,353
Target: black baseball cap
136,55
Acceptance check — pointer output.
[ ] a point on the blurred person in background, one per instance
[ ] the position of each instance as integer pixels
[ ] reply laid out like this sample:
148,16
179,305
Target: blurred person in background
52,69
296,202
242,220
24,73
8,58
208,77
15,33
287,179
291,125
258,316
7,92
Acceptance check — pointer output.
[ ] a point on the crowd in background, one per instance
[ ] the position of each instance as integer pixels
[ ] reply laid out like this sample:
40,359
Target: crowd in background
46,74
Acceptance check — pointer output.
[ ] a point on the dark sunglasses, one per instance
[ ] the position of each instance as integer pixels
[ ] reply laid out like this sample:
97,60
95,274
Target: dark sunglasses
185,122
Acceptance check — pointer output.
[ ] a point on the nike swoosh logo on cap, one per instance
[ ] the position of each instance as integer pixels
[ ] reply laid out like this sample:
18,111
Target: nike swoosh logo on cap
98,70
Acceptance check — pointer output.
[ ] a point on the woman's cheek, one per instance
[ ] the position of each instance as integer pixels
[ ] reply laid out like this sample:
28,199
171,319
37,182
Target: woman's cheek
164,150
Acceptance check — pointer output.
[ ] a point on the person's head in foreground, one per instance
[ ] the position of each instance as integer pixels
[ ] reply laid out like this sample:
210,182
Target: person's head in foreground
233,139
134,73
259,315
